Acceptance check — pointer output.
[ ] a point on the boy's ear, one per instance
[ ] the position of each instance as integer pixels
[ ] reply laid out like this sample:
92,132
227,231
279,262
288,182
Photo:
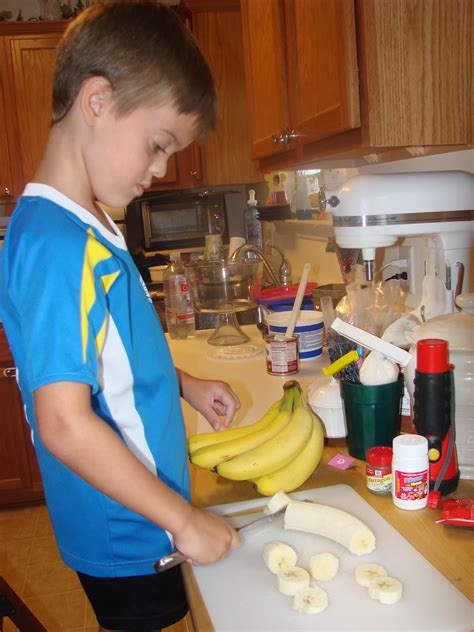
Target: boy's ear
95,98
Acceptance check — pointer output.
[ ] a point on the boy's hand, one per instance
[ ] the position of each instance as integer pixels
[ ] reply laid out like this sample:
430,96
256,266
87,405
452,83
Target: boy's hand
215,400
205,537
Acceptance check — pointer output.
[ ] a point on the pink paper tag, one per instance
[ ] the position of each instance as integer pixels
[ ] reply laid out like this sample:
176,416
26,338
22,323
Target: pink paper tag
341,462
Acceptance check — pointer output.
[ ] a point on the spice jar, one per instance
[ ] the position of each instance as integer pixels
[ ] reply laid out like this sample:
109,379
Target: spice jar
379,470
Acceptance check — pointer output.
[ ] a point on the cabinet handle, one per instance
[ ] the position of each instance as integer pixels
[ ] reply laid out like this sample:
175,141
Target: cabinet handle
8,373
288,135
193,172
276,139
7,192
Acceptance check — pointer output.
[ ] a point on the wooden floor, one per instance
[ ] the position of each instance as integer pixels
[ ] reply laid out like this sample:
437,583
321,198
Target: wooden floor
30,563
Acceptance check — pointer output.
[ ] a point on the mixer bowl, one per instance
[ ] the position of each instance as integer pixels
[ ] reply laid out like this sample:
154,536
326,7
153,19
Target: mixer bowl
224,286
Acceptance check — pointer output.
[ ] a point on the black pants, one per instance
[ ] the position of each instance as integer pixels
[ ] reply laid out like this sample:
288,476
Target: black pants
137,604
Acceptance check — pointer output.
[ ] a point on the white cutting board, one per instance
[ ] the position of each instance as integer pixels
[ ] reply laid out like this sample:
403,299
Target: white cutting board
241,594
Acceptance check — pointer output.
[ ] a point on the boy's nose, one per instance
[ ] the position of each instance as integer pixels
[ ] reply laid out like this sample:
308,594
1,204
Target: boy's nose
159,166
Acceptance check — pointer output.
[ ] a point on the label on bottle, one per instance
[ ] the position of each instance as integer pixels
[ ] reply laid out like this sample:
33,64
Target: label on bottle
410,485
379,479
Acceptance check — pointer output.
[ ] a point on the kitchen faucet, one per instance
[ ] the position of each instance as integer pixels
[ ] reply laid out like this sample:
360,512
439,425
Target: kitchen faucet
239,255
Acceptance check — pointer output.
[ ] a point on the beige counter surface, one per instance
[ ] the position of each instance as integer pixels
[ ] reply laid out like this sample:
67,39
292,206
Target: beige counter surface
450,549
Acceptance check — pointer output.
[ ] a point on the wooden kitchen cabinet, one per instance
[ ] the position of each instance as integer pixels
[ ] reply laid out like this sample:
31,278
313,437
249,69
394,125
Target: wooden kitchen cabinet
225,154
300,61
27,60
404,66
20,479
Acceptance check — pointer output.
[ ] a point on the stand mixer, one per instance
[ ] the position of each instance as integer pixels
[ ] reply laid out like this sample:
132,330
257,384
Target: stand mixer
373,211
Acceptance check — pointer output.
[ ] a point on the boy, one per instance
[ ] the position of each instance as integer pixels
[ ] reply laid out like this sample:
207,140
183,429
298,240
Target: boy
100,391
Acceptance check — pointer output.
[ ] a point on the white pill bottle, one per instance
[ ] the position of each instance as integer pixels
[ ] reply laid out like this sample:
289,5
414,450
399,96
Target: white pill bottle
410,471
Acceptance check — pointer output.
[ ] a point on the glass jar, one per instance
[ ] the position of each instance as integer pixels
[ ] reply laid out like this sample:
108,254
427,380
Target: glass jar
379,470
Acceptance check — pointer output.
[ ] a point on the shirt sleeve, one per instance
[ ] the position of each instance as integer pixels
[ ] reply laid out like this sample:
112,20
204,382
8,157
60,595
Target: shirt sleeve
59,286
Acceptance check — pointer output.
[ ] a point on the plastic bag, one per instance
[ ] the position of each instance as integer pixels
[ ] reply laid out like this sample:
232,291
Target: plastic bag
458,512
377,369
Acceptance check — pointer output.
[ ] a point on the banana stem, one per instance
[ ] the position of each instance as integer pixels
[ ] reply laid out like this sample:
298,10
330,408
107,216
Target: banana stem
288,398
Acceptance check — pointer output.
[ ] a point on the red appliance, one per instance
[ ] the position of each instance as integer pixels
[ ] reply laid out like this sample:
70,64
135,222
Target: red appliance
433,413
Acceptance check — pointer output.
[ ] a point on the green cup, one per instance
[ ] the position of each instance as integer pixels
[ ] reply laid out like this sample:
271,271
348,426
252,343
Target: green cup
372,415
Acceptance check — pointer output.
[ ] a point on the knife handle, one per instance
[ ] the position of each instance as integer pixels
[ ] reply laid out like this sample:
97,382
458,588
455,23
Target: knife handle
168,561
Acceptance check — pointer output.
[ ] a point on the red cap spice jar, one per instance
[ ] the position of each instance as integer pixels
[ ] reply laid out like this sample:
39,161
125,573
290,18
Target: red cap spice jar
379,470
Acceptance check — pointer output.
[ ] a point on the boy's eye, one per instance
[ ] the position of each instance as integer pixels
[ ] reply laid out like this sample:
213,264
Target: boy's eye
156,148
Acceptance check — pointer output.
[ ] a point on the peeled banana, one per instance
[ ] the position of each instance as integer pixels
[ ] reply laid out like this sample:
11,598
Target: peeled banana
277,502
292,579
276,452
331,523
298,470
387,590
278,556
366,573
210,456
310,600
198,441
324,566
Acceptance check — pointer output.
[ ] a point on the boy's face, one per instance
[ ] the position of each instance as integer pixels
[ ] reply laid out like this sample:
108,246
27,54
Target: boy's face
125,153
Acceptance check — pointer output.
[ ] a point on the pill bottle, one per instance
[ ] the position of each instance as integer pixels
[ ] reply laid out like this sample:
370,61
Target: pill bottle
410,482
378,469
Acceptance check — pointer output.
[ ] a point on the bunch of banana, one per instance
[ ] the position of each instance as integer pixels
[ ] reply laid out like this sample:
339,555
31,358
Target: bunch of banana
277,453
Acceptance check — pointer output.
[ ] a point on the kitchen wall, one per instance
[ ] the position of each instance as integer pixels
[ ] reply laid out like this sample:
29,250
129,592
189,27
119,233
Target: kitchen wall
305,242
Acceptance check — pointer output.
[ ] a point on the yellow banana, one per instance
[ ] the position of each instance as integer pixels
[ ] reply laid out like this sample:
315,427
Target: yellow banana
212,455
296,472
198,441
274,453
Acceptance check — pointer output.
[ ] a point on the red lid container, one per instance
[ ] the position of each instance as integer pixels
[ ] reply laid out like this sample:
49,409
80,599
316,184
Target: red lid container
380,456
432,355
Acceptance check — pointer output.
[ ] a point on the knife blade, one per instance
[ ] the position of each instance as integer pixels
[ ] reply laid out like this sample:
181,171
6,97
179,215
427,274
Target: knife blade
176,557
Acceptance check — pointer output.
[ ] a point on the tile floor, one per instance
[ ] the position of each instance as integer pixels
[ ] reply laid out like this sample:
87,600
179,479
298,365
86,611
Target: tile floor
31,564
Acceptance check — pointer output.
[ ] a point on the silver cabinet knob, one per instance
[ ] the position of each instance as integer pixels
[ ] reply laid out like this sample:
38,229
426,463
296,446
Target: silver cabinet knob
7,192
288,135
276,139
193,172
9,372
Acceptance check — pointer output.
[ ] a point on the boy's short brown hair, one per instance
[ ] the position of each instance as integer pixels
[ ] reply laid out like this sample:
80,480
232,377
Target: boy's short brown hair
146,53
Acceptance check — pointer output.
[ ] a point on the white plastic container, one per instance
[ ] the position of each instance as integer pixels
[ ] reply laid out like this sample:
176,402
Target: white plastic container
324,397
410,471
309,328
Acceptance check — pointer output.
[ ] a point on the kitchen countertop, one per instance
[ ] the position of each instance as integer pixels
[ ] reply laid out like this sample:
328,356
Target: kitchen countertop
449,549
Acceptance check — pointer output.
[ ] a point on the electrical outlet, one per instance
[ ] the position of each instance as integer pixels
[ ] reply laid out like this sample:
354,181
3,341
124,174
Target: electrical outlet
334,178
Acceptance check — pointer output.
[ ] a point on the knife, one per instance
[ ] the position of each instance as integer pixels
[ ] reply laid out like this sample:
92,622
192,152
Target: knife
176,557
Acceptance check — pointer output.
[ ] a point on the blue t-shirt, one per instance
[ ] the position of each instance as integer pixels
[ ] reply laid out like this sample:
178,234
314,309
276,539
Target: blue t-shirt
75,309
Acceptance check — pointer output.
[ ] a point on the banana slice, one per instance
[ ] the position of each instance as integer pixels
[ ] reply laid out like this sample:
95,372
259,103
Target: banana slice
277,502
292,579
387,590
365,573
278,556
310,600
323,566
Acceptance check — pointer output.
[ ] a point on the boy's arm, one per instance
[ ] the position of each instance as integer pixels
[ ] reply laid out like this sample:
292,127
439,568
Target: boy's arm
214,399
85,444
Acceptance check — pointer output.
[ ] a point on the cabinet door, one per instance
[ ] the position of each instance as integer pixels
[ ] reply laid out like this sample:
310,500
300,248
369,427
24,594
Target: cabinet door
6,179
225,153
20,479
264,39
14,470
32,65
417,59
322,68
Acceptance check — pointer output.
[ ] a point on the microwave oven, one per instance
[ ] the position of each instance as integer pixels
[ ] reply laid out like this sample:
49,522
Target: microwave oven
177,221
